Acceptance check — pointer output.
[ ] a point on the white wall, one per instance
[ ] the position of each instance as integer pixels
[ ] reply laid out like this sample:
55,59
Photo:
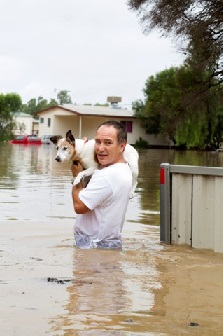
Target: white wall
27,121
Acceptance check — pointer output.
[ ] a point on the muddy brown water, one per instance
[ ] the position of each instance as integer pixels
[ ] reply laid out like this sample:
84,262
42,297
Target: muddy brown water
146,289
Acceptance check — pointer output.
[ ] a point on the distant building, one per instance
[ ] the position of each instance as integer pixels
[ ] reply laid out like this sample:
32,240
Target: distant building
25,124
83,121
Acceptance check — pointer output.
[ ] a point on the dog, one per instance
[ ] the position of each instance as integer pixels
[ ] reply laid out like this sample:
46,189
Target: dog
82,151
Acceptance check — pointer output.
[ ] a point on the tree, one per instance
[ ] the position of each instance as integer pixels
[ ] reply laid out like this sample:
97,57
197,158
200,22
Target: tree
172,108
34,105
30,107
9,104
52,102
41,104
64,97
162,110
198,24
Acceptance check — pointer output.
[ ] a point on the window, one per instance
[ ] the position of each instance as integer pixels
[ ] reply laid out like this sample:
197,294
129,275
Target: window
128,126
41,120
49,122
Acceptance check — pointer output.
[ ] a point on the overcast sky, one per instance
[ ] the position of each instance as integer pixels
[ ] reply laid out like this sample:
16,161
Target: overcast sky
92,48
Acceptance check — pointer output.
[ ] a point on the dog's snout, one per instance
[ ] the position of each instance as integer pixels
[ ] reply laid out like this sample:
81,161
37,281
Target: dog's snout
57,159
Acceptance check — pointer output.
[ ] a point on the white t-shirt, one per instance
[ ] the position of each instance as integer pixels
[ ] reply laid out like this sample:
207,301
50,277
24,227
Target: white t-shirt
107,196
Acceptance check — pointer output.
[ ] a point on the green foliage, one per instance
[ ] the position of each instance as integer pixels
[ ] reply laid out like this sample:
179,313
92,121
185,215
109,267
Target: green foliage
98,104
162,106
35,105
9,103
196,23
141,143
178,104
192,133
64,97
185,103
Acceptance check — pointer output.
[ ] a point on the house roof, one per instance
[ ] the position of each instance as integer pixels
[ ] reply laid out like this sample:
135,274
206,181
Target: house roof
90,110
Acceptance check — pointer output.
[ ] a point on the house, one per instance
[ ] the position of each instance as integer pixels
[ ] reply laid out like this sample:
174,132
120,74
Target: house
84,119
25,124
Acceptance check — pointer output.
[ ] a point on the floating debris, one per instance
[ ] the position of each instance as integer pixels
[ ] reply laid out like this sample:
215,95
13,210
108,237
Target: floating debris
59,281
193,324
129,320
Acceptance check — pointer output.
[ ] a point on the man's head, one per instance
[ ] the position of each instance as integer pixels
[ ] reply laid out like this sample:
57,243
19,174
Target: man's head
110,142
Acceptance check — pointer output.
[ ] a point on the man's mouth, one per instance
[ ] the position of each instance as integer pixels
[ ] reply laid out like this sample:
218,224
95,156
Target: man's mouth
102,156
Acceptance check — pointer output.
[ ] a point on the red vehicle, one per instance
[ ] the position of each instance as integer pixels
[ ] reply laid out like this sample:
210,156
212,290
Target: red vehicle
26,140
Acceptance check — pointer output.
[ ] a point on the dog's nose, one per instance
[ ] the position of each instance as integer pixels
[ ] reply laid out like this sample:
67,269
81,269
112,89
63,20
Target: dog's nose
57,159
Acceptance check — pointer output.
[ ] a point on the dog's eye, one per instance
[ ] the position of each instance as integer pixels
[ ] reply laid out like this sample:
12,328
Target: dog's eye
57,147
65,148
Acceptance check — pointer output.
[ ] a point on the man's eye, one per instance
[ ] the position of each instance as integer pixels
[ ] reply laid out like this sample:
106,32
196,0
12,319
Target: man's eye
108,143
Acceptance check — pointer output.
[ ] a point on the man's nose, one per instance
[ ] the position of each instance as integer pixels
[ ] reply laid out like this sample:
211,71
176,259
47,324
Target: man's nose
101,147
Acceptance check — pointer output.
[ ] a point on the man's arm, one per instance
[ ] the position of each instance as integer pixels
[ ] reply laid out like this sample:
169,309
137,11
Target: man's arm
79,206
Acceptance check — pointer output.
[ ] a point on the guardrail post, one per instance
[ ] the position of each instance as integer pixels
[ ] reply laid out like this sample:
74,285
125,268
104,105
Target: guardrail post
165,203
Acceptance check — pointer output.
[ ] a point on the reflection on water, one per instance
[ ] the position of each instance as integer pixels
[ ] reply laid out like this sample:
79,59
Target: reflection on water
112,292
34,186
145,289
148,182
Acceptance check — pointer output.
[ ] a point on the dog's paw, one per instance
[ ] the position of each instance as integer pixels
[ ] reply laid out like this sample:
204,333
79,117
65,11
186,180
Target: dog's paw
79,177
77,180
82,178
85,174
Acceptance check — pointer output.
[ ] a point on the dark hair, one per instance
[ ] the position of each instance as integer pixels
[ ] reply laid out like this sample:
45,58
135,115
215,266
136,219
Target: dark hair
121,130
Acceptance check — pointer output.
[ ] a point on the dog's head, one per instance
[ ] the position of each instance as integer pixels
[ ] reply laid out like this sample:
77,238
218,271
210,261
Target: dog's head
65,146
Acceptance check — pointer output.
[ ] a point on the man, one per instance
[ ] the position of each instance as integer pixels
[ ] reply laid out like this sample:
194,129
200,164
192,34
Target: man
102,205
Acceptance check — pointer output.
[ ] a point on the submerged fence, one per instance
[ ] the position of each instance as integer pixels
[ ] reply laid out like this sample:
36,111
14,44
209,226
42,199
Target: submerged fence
191,206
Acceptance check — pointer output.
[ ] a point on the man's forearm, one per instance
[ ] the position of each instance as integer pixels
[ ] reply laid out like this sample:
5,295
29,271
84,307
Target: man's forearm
79,206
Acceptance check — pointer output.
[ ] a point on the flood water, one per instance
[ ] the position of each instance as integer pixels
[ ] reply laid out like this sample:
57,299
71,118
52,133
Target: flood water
146,289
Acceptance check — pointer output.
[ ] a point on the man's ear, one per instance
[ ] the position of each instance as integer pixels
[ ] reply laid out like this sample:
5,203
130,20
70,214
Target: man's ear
123,144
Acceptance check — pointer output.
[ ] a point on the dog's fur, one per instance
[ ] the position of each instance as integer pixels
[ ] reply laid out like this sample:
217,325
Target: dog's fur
80,150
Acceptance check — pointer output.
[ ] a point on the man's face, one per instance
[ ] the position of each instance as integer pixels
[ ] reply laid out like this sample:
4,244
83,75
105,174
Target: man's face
107,148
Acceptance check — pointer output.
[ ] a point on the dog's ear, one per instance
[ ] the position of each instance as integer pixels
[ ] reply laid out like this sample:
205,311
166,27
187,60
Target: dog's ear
68,134
69,137
54,139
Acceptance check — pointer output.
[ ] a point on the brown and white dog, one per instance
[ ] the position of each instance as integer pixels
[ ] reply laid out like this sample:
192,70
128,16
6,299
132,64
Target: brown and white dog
81,150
